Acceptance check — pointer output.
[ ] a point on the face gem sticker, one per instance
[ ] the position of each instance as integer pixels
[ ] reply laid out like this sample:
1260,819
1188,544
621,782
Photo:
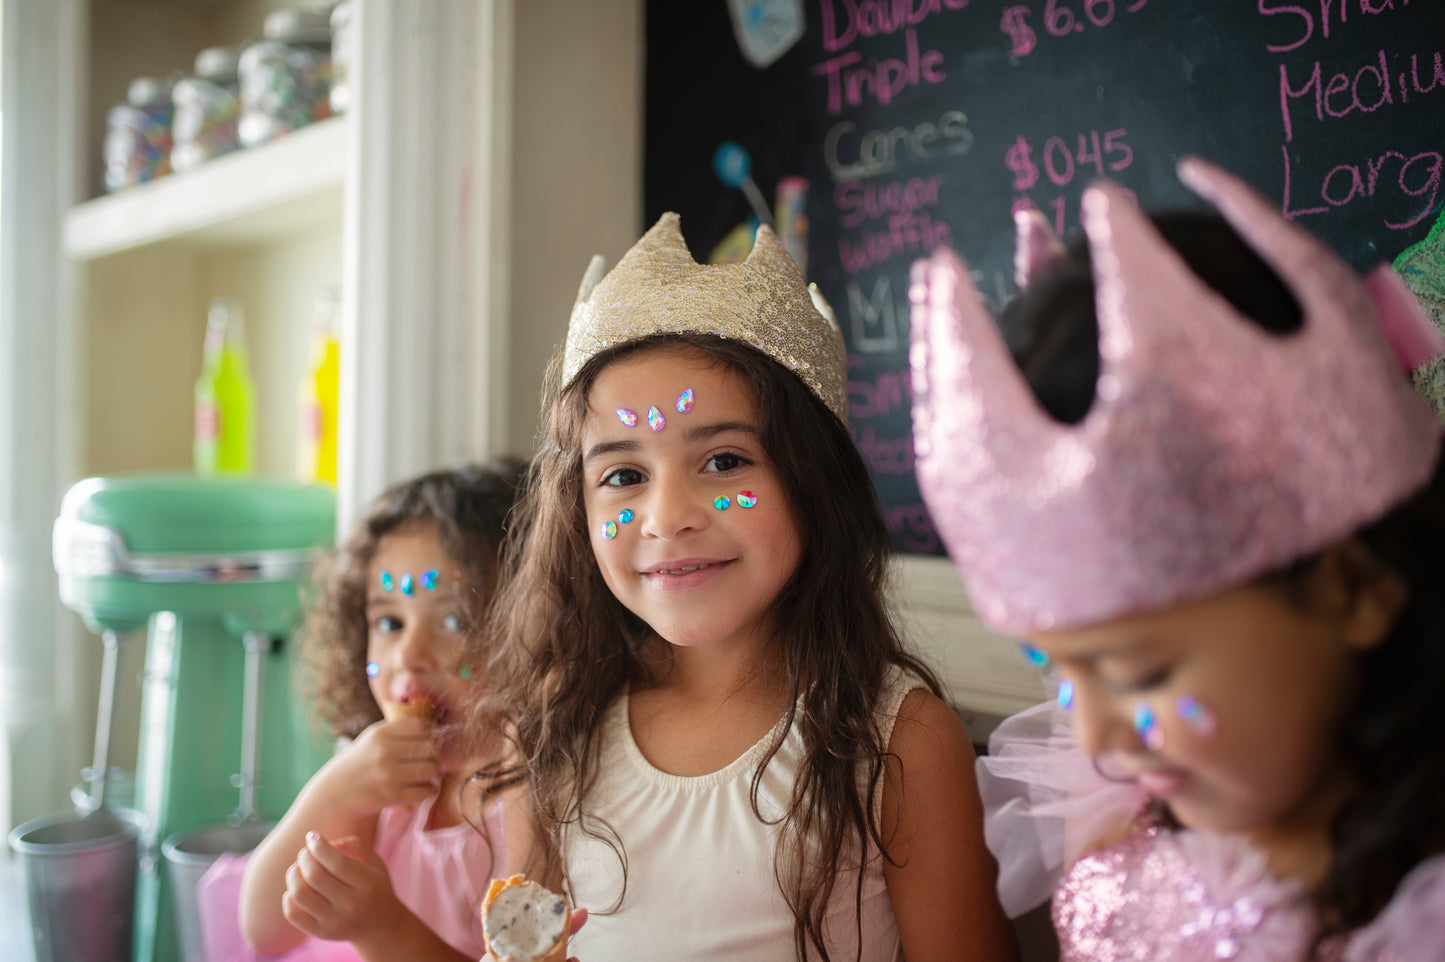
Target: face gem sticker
388,583
721,502
429,579
627,417
684,401
746,499
1036,658
372,669
655,419
609,530
1066,694
625,515
406,586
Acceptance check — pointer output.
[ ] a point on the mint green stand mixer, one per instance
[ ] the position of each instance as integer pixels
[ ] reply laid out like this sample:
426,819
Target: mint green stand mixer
213,569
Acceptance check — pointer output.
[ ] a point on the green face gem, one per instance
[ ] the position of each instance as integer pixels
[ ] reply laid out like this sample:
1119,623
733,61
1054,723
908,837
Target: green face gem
388,583
464,671
609,530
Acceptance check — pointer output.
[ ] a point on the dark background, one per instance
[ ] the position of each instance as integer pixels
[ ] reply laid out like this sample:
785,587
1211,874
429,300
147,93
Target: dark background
1176,77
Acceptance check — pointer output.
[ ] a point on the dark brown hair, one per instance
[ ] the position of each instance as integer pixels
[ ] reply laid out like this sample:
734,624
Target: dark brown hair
469,507
565,647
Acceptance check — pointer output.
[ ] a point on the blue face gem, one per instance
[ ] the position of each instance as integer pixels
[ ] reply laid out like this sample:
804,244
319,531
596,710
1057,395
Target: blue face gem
429,579
1066,694
1148,727
372,669
1036,658
625,515
406,585
721,503
388,583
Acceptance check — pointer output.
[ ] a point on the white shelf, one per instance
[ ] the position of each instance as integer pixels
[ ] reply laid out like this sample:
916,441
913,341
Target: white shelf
252,195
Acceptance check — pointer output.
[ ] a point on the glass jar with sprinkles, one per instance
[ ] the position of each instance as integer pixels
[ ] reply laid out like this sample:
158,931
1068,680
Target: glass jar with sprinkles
207,109
138,135
343,37
286,76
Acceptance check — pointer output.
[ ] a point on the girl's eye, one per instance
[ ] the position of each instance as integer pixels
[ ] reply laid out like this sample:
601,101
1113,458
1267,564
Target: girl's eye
622,478
387,624
453,622
1142,683
726,461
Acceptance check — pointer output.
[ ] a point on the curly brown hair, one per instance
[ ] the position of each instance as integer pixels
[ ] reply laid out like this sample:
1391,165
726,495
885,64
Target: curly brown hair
565,647
470,507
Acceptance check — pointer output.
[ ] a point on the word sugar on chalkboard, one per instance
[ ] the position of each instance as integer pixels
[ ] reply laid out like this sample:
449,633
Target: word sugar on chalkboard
928,121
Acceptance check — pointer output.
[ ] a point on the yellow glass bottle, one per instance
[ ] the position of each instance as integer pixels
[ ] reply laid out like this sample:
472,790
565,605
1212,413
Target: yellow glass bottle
225,438
319,396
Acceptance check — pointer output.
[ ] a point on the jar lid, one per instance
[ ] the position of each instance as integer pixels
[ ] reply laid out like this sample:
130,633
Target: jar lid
218,64
341,15
148,91
298,26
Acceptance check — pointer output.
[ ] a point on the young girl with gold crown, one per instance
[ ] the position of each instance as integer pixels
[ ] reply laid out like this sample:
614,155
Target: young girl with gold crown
727,752
1213,507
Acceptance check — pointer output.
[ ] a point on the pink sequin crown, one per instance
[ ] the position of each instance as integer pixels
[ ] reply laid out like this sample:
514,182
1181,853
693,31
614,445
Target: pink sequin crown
764,302
1214,451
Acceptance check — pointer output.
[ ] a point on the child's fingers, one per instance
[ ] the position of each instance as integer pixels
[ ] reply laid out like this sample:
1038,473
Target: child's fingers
304,897
336,864
293,911
579,918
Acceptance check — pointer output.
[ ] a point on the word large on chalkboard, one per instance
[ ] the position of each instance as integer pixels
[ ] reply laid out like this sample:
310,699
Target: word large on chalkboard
921,123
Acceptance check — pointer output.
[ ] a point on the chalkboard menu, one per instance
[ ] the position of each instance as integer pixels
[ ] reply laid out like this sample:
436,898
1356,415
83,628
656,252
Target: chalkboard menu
920,123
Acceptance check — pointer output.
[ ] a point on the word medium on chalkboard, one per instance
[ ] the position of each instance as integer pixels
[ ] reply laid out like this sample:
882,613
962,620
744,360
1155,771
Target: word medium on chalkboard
920,123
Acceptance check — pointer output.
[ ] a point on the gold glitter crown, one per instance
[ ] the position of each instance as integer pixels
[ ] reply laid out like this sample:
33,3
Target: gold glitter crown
764,302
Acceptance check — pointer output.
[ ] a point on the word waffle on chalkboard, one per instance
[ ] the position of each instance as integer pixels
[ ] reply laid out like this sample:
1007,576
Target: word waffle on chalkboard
921,123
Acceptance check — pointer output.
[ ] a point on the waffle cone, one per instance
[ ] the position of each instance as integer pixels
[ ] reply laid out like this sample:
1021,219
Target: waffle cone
558,951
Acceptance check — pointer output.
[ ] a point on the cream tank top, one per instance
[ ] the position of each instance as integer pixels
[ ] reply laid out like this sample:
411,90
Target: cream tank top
700,882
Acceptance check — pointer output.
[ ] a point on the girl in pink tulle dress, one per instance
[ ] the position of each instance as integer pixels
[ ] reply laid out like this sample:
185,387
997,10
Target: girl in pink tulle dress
1208,501
381,856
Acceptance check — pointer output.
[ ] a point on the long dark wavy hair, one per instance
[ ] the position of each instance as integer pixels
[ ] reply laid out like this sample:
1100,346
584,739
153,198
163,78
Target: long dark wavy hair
1389,741
469,506
565,647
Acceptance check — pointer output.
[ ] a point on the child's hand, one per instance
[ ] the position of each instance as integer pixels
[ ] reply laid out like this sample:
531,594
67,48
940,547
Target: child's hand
339,890
390,763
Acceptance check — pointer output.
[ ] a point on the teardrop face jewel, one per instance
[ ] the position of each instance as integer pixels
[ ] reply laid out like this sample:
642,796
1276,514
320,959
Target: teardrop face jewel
429,579
609,530
746,499
1148,727
684,401
721,502
627,417
1066,694
388,583
406,585
1195,715
1036,657
655,419
625,515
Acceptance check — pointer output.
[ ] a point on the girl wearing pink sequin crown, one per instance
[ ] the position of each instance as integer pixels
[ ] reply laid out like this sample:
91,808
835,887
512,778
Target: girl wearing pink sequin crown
725,750
1209,501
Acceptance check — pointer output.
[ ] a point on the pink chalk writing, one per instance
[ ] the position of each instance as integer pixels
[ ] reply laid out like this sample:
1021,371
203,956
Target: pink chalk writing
1059,18
1365,90
1107,155
1416,177
912,523
914,233
872,18
1058,205
886,455
883,80
858,201
888,391
1337,11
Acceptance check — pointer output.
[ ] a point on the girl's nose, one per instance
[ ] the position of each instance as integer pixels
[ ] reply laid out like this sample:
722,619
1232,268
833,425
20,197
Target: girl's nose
1100,725
673,506
417,650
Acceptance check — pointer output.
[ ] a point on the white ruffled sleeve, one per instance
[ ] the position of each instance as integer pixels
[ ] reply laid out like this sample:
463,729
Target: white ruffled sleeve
1412,926
1045,805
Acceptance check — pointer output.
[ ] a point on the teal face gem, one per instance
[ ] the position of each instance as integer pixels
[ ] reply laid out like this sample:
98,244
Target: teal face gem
721,502
1036,658
1066,694
429,579
372,669
1148,727
684,401
406,585
464,670
625,515
388,583
746,499
609,530
655,419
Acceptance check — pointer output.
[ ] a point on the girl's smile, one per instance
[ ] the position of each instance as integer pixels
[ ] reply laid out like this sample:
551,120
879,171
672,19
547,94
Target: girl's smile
688,520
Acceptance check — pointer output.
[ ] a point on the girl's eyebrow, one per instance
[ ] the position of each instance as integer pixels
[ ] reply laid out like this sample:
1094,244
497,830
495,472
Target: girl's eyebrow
608,447
700,433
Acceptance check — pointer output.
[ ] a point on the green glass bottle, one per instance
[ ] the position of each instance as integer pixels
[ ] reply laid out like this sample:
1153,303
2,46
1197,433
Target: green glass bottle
225,438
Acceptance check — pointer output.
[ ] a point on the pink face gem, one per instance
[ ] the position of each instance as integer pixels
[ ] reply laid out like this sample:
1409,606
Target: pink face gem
684,401
655,420
1198,717
627,417
746,499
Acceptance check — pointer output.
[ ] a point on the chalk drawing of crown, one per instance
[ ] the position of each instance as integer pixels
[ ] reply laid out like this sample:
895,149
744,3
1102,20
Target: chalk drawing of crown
1214,451
657,288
